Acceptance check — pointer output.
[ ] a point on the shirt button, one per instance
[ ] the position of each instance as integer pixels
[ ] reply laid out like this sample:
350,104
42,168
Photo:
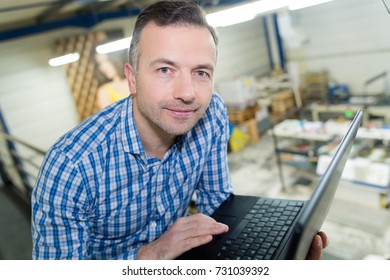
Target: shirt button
153,224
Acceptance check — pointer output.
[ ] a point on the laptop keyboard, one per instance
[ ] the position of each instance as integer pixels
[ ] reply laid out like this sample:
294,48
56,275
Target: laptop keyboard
259,234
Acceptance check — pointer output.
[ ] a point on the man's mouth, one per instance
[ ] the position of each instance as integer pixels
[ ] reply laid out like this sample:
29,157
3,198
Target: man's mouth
182,113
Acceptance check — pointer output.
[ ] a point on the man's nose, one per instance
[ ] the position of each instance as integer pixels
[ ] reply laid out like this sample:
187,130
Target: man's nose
184,88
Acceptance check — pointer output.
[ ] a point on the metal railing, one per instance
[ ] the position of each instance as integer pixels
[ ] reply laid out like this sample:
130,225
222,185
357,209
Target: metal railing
19,164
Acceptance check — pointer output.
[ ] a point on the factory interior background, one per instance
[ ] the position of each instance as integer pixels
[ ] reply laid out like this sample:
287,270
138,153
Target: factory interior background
291,78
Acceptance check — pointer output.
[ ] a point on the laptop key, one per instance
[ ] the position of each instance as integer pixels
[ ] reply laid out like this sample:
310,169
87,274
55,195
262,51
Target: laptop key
245,246
266,229
266,245
249,216
220,255
229,242
263,234
262,252
255,246
258,257
234,248
250,240
241,252
259,240
251,253
272,250
270,239
285,228
282,233
267,201
275,244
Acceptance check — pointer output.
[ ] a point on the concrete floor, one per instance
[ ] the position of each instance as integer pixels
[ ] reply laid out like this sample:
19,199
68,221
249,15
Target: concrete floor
358,228
15,227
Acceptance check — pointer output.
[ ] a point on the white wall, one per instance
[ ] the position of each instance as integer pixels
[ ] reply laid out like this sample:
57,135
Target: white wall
349,38
34,97
242,50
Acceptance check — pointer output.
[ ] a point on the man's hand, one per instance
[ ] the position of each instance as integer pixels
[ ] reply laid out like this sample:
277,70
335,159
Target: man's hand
185,234
320,242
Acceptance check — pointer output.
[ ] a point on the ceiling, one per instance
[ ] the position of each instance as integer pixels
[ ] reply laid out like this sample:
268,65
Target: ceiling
25,17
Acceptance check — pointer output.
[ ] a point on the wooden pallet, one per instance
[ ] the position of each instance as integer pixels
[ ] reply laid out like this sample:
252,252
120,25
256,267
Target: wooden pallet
81,74
240,116
282,102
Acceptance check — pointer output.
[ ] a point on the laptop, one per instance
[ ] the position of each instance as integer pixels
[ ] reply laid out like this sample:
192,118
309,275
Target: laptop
267,228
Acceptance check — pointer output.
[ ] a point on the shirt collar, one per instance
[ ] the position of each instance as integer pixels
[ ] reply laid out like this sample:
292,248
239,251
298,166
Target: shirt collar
130,137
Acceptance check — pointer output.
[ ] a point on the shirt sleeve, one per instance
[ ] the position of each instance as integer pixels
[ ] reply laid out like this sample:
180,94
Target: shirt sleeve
215,184
59,210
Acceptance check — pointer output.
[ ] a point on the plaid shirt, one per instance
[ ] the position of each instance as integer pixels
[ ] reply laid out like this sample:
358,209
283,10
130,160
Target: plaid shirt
99,196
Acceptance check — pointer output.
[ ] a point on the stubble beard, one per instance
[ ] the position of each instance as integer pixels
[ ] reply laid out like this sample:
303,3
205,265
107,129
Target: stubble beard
160,119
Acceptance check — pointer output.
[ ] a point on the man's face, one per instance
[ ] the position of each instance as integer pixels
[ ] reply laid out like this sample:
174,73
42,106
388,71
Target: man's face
174,83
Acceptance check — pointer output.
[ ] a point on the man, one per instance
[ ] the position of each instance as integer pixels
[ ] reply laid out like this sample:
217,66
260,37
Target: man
118,185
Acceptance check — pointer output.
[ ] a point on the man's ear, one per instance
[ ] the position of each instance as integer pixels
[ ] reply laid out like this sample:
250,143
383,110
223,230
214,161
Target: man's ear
130,75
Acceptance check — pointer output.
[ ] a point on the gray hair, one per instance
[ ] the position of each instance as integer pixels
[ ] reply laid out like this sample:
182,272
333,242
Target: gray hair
164,13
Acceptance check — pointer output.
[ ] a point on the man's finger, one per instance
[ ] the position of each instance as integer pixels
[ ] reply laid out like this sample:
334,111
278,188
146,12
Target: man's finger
198,232
315,252
325,239
199,225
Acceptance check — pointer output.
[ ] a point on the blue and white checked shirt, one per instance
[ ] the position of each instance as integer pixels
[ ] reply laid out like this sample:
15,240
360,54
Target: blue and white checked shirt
99,196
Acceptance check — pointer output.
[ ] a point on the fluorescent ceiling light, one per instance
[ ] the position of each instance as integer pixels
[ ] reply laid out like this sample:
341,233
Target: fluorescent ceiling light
114,46
249,11
228,17
269,5
244,12
65,59
300,4
231,16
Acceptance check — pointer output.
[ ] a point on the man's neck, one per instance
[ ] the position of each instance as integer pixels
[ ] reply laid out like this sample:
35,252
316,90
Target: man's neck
154,141
154,147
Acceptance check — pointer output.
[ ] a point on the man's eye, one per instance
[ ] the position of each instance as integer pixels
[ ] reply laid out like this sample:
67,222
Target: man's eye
201,73
164,70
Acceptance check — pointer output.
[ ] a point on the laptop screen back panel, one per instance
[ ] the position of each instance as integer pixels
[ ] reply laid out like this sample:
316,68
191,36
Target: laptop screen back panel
317,208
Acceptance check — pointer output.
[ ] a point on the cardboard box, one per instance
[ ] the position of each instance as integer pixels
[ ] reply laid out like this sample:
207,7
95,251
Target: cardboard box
239,92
